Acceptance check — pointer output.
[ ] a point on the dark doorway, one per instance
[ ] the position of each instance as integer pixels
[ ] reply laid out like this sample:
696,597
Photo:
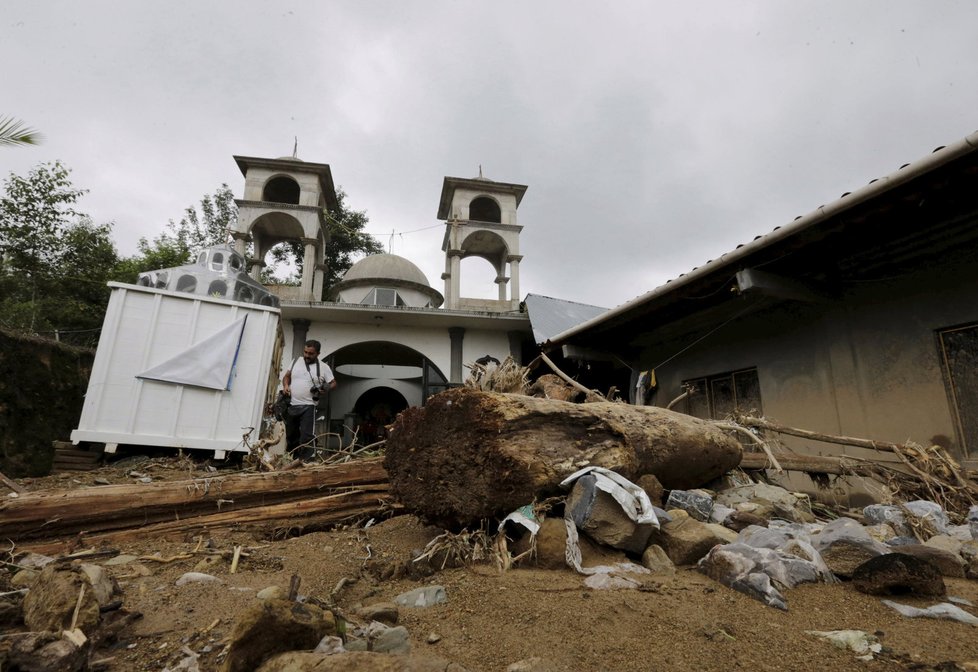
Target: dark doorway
959,355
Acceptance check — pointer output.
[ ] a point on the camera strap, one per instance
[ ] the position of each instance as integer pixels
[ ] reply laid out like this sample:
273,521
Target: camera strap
315,381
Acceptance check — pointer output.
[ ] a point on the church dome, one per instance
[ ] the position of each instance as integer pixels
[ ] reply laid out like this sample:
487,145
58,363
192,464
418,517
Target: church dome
386,267
387,270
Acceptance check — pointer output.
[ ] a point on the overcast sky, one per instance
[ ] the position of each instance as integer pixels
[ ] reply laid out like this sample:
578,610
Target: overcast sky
653,136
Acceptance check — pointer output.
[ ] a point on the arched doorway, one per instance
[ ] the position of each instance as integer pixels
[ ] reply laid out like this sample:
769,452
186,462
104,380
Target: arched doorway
381,376
376,408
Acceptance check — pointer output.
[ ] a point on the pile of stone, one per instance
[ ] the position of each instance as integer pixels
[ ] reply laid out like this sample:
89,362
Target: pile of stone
759,539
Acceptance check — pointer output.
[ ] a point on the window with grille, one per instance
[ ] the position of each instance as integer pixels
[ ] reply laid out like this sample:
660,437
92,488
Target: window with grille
722,395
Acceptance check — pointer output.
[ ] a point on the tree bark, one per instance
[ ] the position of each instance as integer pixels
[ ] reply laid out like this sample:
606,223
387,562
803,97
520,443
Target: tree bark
43,515
468,455
307,515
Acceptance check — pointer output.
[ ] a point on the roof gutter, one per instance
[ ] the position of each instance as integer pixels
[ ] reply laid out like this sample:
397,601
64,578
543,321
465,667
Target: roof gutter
920,167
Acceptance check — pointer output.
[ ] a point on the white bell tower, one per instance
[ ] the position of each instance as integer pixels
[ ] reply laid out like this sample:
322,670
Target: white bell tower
480,221
286,199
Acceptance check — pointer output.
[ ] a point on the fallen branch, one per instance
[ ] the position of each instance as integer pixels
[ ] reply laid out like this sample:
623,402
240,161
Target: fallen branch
10,484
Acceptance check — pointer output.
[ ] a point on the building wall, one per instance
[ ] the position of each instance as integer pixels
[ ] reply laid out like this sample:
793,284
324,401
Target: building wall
432,342
867,366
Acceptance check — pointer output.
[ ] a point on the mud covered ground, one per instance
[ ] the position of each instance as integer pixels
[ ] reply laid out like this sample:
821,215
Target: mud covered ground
493,618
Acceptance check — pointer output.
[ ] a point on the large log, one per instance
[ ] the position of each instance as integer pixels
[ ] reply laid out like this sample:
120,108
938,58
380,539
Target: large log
307,515
468,455
46,514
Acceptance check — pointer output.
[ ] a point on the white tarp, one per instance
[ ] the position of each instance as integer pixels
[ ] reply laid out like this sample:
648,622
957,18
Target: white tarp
208,363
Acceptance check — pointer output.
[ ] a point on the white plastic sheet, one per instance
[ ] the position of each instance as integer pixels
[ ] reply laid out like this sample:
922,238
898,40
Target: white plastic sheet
208,363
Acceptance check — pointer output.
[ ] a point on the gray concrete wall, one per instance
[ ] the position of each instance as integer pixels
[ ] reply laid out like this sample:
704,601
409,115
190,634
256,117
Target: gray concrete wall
866,366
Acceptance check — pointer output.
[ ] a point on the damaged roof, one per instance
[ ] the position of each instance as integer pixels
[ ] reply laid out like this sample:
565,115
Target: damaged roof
549,316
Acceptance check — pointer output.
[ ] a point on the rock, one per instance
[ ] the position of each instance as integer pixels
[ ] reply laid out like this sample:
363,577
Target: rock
656,560
103,585
208,562
551,545
196,577
422,597
383,612
598,515
684,539
272,593
51,601
433,638
764,511
653,488
393,640
882,532
857,641
947,563
738,520
945,542
45,652
770,500
696,503
898,574
23,578
928,515
725,534
885,514
720,514
31,560
736,569
535,664
973,521
274,626
844,545
121,559
357,661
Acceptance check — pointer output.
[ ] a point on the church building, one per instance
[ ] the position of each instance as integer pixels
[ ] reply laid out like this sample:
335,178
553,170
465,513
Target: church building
391,339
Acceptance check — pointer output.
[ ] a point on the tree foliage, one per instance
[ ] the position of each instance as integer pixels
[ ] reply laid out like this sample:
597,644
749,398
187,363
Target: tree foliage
15,132
54,261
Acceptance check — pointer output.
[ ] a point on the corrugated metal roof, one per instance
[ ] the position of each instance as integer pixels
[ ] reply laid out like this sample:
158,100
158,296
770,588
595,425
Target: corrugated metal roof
549,317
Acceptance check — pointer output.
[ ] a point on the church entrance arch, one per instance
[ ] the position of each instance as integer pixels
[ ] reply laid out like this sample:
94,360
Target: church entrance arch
378,376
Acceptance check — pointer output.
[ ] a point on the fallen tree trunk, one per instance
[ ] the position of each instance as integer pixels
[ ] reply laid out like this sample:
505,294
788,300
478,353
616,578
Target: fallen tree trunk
306,515
468,455
114,507
814,464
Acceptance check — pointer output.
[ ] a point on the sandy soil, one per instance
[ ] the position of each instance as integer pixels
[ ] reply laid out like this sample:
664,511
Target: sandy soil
492,618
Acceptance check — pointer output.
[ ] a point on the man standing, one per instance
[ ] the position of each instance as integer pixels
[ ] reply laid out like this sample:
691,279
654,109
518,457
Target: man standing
305,381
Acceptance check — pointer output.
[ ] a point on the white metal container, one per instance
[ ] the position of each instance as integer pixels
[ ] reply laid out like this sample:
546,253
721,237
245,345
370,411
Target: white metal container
147,328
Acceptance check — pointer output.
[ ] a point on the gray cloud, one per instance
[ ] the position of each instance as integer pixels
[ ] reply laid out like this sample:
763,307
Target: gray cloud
652,136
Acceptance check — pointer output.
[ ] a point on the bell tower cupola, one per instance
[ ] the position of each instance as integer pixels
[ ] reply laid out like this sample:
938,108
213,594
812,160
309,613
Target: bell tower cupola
286,199
480,221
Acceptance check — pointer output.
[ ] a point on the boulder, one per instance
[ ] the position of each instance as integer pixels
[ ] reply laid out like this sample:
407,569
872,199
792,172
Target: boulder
656,560
696,503
273,626
422,597
50,604
844,545
45,652
945,542
947,563
599,515
552,544
357,661
738,520
383,612
898,574
653,488
684,539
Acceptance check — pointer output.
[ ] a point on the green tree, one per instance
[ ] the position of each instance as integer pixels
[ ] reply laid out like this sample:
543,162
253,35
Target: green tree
35,212
54,261
14,132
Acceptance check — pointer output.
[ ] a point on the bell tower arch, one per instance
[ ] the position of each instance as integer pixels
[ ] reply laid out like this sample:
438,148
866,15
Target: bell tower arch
286,199
480,221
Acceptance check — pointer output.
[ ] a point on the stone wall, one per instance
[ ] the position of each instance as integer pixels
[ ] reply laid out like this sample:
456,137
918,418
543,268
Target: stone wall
42,388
